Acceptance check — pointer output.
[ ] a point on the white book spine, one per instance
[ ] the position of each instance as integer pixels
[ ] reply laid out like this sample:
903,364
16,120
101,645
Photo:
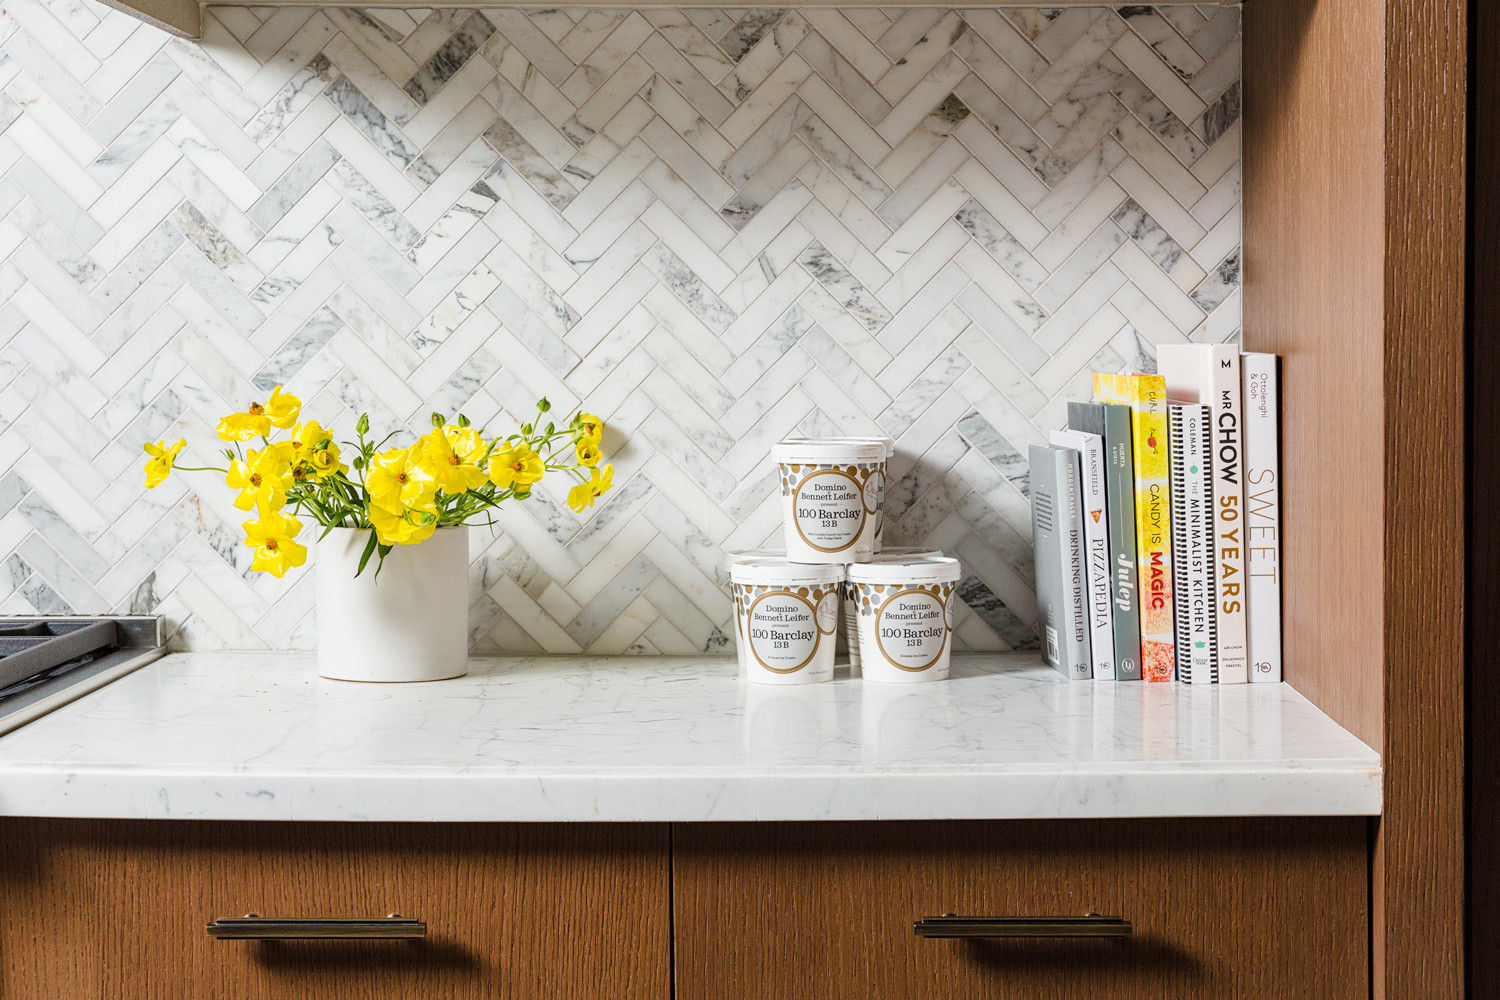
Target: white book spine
1210,374
1074,574
1263,516
1192,542
1098,610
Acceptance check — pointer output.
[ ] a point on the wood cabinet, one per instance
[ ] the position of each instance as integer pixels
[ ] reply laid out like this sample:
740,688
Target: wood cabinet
1221,909
118,909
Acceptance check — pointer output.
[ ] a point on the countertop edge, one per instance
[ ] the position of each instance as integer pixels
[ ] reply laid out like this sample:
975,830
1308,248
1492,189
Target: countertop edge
687,799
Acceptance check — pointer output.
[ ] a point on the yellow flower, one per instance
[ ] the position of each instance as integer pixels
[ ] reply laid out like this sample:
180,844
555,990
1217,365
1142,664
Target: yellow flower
396,480
308,437
301,471
325,461
590,428
274,538
589,453
261,480
283,408
402,527
247,426
451,455
515,467
582,496
159,465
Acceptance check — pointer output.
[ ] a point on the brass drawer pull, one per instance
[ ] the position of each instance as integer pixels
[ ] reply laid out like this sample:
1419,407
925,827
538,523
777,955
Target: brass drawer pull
1089,926
252,927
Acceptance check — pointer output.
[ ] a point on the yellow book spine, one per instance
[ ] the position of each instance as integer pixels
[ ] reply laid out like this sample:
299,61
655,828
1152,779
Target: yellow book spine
1146,395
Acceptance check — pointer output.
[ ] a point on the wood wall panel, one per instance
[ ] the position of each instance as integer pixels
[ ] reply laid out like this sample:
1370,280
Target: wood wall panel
1314,237
1483,688
1354,244
108,909
1420,845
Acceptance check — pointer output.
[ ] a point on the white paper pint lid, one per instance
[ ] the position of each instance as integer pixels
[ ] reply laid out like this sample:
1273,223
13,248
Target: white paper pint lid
830,451
775,572
911,569
897,553
750,555
888,444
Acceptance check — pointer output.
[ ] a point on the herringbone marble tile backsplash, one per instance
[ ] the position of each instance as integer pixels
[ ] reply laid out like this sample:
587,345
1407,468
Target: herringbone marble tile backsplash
713,227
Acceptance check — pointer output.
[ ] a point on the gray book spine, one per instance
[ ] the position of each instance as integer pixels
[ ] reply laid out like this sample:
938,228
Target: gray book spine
1057,536
1112,421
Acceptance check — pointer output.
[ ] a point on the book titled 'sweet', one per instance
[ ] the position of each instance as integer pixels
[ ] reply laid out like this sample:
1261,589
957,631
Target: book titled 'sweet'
1262,517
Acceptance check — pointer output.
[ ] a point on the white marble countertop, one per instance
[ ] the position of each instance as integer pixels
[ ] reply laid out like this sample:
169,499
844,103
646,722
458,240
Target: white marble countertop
261,736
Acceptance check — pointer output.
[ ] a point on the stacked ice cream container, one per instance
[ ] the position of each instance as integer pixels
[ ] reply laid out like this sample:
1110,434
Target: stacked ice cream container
897,602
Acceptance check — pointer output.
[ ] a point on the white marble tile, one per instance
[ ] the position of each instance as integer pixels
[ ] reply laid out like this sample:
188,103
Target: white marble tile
712,226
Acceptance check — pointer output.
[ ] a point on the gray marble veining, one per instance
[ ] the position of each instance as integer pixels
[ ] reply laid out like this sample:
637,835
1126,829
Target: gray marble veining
260,736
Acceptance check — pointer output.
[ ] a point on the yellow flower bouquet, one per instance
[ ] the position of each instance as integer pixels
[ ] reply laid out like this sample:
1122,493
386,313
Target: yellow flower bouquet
453,475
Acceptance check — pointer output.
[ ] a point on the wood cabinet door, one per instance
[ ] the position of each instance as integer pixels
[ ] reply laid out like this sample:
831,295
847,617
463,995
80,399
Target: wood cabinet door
105,909
1220,909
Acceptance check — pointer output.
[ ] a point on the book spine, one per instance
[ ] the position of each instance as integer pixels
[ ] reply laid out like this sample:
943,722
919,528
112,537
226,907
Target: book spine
1076,653
1262,517
1119,491
1056,538
1192,548
1229,515
1090,449
1146,395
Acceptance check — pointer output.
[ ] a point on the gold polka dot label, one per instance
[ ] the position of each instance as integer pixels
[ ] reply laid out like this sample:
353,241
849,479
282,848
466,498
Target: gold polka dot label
833,509
910,625
783,628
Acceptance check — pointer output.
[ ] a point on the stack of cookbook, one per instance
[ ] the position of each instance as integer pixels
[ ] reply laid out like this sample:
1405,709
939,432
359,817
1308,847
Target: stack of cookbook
1156,518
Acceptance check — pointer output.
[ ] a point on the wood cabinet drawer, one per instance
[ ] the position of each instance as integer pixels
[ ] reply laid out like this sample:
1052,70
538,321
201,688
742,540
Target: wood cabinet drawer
96,909
1220,909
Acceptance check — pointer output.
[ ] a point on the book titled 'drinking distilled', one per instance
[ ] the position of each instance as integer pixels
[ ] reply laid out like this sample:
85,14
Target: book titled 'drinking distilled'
1146,396
1057,539
1210,374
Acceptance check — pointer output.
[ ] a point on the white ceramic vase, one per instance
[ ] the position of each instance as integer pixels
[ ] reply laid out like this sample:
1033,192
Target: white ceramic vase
408,623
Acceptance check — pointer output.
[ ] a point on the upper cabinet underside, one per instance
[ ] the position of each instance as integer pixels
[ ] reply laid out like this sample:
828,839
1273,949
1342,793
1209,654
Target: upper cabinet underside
184,17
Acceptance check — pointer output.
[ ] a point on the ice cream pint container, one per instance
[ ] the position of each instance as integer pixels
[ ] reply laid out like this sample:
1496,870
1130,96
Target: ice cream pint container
886,443
905,611
786,615
833,498
849,613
